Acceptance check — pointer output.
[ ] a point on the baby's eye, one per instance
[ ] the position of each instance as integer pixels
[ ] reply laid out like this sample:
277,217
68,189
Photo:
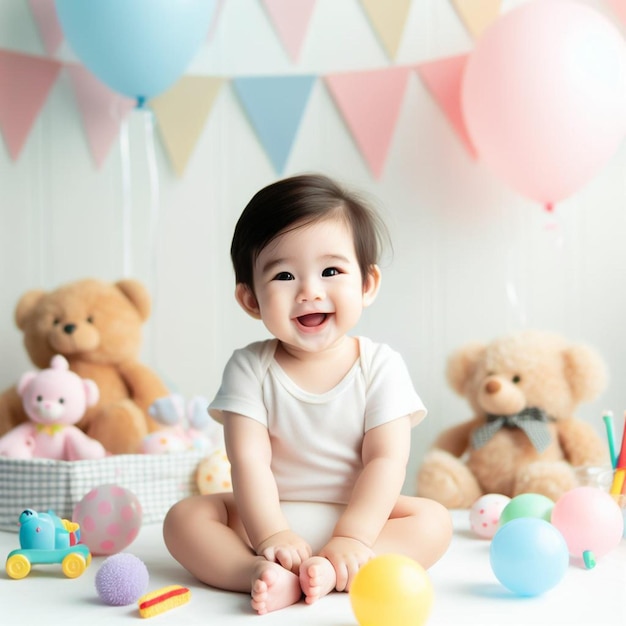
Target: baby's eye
331,271
284,276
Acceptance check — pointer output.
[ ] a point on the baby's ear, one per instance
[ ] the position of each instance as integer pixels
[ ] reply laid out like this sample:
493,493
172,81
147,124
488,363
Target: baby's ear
247,300
371,285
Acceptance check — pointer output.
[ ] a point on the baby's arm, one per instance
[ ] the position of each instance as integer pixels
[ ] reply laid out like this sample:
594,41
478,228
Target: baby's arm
256,494
385,453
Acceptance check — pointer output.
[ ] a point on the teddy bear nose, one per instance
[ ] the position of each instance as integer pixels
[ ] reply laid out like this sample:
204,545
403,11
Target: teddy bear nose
69,328
492,386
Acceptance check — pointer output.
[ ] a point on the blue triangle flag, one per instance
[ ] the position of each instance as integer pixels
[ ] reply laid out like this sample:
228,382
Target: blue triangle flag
274,106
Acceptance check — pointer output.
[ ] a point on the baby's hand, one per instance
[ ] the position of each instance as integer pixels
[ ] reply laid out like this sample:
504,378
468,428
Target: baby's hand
286,548
347,556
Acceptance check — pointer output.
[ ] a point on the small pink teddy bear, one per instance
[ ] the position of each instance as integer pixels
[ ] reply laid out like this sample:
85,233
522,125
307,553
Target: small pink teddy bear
54,399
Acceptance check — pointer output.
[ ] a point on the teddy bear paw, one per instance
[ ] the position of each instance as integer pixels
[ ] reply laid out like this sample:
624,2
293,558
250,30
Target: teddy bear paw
550,479
444,478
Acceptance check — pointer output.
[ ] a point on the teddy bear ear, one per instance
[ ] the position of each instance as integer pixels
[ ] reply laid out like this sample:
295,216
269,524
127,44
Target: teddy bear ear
24,380
59,362
25,305
461,365
137,294
585,372
92,392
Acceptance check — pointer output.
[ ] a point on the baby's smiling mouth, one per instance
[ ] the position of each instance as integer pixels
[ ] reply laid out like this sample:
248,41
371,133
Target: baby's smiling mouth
312,319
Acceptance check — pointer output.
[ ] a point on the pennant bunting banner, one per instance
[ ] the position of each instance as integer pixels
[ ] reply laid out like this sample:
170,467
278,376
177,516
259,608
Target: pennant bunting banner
443,79
369,101
388,20
477,15
25,82
45,16
291,22
181,113
102,111
370,104
275,106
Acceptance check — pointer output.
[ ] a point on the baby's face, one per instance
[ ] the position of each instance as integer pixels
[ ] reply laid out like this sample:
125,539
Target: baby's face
309,287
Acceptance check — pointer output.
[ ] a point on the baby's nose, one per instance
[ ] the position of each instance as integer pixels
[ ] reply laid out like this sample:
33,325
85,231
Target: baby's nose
310,290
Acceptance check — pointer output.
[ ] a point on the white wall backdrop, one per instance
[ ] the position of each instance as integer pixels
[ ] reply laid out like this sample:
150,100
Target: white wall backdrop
472,259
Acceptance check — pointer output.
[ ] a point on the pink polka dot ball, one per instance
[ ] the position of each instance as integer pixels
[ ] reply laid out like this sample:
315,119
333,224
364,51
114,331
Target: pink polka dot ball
485,514
109,517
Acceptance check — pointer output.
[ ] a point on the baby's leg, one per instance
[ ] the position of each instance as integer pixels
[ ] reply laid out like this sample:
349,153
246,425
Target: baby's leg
205,535
317,578
419,528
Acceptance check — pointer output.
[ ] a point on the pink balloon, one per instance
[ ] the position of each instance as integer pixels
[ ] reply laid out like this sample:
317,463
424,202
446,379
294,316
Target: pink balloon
591,522
544,97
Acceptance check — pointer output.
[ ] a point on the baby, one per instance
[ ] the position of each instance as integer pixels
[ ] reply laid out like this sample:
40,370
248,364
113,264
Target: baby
312,415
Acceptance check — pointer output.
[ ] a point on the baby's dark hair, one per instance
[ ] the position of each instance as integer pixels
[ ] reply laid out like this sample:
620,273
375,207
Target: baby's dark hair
294,202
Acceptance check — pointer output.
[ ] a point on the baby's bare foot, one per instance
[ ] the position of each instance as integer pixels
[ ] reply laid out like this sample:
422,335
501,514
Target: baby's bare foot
273,587
317,578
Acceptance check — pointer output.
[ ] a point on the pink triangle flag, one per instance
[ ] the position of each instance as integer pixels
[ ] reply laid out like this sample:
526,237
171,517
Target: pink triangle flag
619,8
102,110
370,103
48,25
443,78
25,82
291,21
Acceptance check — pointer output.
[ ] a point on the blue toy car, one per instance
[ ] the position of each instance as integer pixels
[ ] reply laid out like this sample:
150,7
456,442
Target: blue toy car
46,538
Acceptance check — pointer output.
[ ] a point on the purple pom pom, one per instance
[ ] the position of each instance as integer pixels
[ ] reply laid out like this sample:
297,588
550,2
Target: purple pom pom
122,579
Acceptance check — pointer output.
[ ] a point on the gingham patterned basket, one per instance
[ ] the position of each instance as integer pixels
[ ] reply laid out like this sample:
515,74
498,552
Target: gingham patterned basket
158,481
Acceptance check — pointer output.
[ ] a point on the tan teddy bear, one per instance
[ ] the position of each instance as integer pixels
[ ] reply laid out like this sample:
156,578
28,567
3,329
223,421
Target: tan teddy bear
523,438
96,326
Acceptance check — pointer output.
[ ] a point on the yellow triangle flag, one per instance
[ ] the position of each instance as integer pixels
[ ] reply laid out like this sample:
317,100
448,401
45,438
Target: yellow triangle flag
477,14
387,20
181,114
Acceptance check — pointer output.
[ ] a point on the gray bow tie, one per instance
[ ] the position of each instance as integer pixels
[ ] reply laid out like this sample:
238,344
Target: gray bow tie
533,421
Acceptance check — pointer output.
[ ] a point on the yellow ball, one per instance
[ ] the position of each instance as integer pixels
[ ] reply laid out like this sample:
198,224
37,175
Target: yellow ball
391,590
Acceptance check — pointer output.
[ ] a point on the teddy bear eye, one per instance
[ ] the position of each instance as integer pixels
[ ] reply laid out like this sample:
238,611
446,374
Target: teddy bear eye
39,398
90,319
56,321
61,400
516,379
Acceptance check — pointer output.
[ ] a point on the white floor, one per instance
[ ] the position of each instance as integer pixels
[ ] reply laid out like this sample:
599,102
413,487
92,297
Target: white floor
466,592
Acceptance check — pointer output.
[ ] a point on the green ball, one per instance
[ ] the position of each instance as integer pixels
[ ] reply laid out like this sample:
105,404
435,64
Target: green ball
527,505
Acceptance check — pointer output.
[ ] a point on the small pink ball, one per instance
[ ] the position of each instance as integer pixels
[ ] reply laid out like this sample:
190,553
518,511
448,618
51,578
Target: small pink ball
485,514
109,517
591,522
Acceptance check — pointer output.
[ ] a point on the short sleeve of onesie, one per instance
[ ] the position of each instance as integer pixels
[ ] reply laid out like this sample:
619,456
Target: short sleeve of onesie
390,390
241,388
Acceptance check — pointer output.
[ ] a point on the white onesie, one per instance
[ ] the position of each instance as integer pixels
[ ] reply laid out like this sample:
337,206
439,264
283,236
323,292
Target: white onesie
316,438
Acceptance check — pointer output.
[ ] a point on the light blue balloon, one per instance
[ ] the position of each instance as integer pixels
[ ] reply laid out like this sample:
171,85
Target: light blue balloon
139,48
529,556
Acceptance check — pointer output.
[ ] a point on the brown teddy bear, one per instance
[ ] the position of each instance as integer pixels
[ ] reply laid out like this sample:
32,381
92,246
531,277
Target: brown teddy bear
523,438
96,326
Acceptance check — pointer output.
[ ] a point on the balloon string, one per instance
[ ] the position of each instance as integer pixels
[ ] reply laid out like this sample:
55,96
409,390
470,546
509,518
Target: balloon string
513,288
153,175
126,200
41,218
